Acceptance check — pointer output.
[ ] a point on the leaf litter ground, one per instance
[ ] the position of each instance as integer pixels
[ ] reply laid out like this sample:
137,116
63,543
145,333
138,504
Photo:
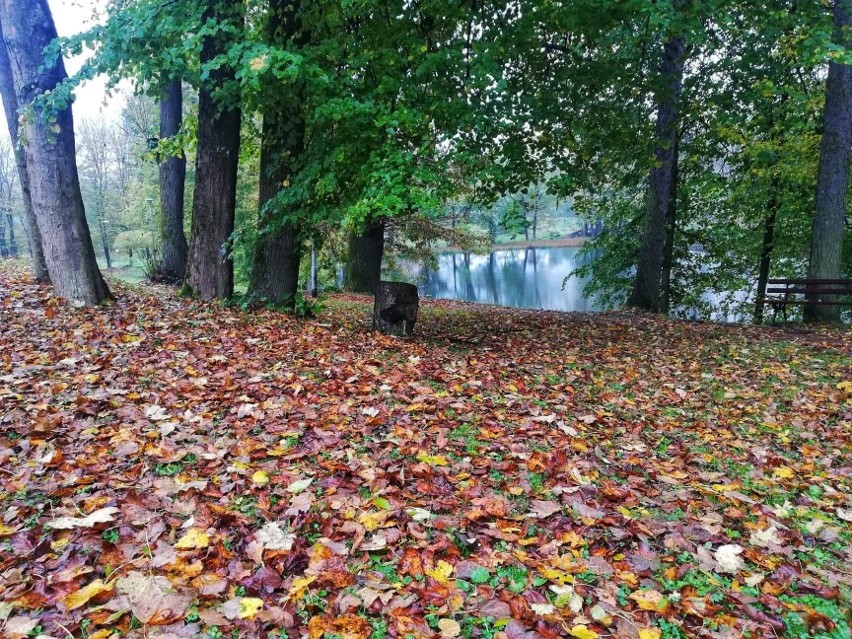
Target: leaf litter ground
175,469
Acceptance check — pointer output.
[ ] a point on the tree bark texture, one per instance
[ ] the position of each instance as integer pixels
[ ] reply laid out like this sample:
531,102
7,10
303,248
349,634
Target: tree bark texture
364,262
51,156
833,177
671,230
210,267
173,246
395,308
10,106
648,284
275,270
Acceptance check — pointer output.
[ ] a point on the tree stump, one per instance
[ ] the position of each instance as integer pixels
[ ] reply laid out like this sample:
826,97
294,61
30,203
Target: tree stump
395,310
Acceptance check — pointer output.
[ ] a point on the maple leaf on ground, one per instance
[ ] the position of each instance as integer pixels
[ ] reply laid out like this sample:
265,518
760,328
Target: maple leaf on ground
152,598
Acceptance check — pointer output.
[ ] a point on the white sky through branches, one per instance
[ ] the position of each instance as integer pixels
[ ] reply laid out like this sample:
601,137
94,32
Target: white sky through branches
72,17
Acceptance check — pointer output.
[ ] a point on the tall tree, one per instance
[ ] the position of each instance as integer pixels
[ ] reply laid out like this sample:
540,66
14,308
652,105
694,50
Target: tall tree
50,152
275,269
210,268
10,106
364,260
647,289
833,178
173,246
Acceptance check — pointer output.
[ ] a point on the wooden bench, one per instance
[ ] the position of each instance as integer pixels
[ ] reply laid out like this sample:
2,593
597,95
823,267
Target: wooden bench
781,293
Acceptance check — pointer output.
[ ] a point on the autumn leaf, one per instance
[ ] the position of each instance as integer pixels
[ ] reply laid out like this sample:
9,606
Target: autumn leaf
260,478
449,628
582,632
299,586
100,516
151,598
242,608
273,538
728,558
650,633
193,539
434,460
650,600
299,485
441,572
82,596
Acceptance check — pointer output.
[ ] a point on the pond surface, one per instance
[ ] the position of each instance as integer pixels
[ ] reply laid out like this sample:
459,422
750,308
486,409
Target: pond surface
523,278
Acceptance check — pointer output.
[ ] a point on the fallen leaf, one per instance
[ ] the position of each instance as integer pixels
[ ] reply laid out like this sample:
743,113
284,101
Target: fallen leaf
273,538
152,598
728,558
299,485
194,539
441,572
650,600
583,632
82,596
100,516
449,628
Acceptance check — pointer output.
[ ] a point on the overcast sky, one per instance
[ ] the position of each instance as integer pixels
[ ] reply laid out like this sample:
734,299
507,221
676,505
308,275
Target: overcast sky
72,17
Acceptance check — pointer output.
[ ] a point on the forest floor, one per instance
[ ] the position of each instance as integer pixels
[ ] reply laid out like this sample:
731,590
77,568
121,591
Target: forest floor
174,469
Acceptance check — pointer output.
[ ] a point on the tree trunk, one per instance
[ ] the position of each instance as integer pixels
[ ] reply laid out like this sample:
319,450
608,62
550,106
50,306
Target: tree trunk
4,251
395,308
10,106
51,156
275,271
766,247
833,178
13,242
173,246
210,268
647,286
364,262
671,228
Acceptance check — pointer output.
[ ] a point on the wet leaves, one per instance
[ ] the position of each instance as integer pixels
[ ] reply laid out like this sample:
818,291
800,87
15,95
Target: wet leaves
187,470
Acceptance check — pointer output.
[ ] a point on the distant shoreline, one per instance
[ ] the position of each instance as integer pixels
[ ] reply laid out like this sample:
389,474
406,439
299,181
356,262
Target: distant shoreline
563,242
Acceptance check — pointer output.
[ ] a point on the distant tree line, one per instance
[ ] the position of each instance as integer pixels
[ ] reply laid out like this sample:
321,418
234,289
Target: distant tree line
707,142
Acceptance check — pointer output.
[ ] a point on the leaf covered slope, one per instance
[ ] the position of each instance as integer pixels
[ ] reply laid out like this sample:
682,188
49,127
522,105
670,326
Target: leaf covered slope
177,469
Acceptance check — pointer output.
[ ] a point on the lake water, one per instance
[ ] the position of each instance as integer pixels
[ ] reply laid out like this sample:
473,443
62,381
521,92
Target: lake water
523,278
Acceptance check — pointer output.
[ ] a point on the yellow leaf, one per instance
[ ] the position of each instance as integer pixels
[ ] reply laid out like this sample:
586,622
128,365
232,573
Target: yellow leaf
441,572
558,576
784,472
583,632
249,607
194,539
650,633
372,521
81,597
5,530
300,584
260,478
650,600
434,460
